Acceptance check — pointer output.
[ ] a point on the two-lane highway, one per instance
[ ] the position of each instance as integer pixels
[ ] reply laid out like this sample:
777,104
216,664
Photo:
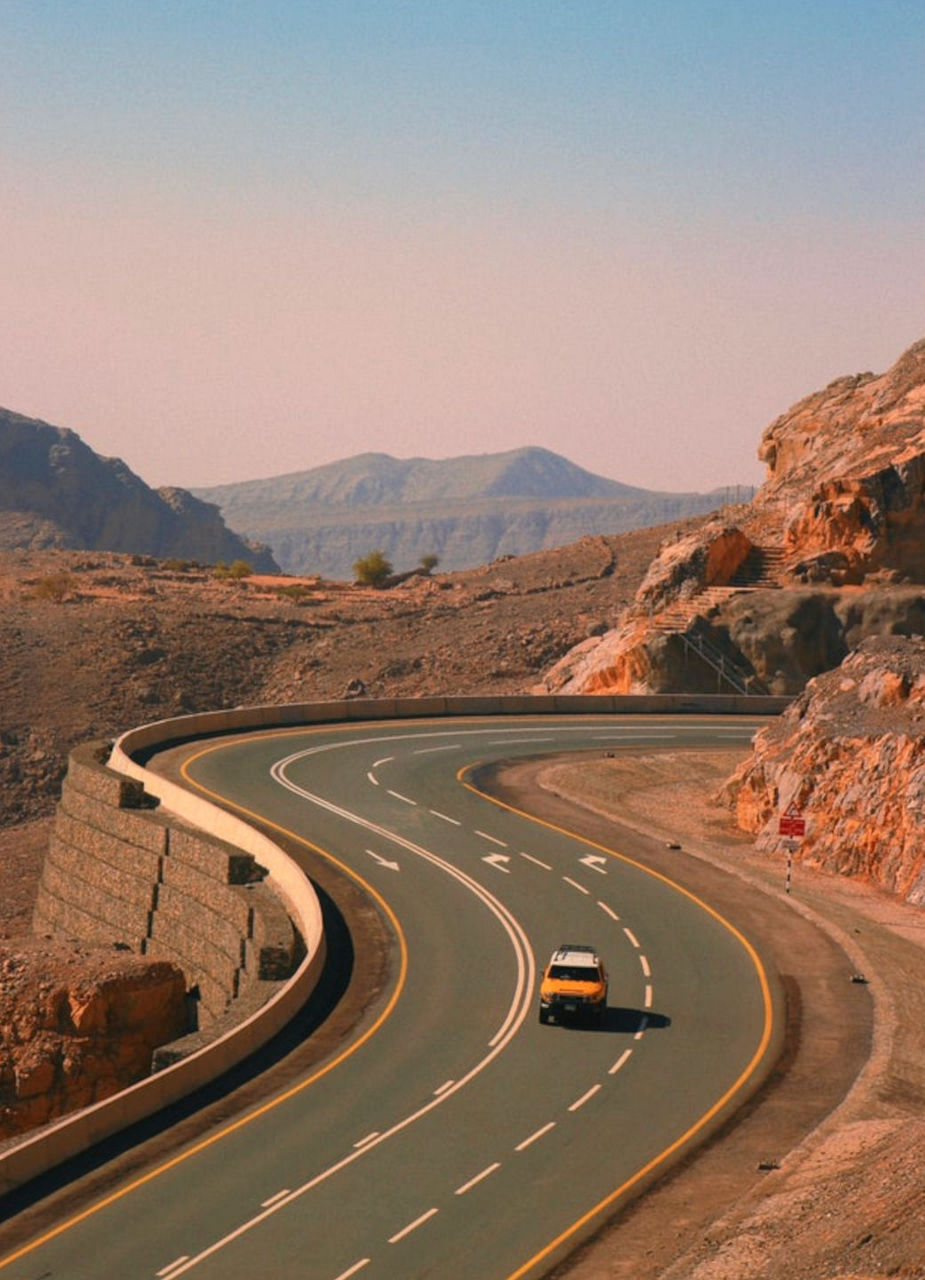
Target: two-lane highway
452,1136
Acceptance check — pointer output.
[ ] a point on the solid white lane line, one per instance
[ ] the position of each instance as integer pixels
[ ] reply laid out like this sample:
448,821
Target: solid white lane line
648,999
428,751
444,818
576,885
530,858
443,1088
642,1027
522,1146
645,966
621,1061
370,1137
632,937
178,1262
405,799
580,1102
493,839
412,1226
265,1204
351,1271
609,910
467,1186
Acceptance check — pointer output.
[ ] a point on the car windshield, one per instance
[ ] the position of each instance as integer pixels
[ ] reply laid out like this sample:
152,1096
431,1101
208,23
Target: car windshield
573,973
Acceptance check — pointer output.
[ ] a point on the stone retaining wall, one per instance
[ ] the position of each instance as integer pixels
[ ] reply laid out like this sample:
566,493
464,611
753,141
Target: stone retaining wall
116,871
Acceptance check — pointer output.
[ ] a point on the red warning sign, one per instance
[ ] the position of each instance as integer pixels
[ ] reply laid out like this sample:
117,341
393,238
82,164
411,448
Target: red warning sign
792,823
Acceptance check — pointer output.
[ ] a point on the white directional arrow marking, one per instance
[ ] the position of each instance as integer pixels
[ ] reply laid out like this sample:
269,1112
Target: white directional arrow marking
383,862
496,860
594,862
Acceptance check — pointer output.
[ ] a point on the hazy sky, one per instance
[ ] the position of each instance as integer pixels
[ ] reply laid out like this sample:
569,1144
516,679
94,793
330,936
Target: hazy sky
239,239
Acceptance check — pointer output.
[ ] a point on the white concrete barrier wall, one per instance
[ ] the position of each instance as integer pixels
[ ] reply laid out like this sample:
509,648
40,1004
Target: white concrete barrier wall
78,1132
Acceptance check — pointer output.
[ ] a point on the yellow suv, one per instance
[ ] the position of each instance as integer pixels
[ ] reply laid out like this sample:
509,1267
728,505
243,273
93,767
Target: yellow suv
574,984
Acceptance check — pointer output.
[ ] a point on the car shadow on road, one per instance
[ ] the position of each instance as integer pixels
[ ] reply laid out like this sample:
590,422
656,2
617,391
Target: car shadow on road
628,1021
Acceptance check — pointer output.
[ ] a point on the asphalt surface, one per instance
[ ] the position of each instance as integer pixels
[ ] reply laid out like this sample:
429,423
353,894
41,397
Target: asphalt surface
437,1129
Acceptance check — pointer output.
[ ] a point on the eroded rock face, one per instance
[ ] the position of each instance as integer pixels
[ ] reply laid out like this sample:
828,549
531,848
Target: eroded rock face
56,492
77,1025
850,753
843,507
705,557
846,467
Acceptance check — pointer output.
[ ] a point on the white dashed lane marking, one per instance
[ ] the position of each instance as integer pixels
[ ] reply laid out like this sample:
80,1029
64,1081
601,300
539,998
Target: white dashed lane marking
413,1226
620,1062
534,1137
445,818
404,799
467,1186
585,1097
351,1271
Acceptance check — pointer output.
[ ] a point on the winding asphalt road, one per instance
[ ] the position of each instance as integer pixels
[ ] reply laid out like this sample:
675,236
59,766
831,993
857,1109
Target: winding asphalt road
452,1136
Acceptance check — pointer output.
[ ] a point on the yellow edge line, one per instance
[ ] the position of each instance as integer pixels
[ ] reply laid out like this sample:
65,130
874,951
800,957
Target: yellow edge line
295,1089
730,1092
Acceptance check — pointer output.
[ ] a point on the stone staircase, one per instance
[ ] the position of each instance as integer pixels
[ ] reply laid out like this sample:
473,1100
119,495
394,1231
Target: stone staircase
763,568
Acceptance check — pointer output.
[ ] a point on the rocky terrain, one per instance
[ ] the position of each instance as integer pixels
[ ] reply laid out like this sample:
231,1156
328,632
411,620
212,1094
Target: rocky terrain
850,754
91,644
467,511
56,492
78,1024
831,549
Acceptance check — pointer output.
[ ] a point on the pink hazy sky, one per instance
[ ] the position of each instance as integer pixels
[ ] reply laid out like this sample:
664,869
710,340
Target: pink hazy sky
268,237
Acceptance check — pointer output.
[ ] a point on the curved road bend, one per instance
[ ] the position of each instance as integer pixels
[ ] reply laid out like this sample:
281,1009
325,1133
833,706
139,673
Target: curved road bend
452,1136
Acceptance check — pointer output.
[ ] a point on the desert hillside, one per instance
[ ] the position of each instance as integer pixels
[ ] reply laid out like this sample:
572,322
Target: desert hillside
93,643
56,492
467,511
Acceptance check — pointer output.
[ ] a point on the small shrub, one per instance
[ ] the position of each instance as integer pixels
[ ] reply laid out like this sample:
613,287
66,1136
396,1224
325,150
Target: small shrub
234,572
372,570
428,563
56,587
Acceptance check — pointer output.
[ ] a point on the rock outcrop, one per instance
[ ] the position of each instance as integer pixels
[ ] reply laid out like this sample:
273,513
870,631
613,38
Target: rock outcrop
78,1024
56,492
776,591
850,754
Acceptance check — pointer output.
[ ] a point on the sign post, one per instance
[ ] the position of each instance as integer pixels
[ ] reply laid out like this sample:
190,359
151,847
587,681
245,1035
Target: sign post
793,825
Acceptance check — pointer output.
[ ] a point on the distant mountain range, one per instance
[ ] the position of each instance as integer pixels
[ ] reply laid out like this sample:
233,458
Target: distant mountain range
56,492
467,510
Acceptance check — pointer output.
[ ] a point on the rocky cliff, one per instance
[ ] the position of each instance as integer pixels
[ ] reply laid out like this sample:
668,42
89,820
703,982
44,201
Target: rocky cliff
850,754
773,592
77,1025
56,492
